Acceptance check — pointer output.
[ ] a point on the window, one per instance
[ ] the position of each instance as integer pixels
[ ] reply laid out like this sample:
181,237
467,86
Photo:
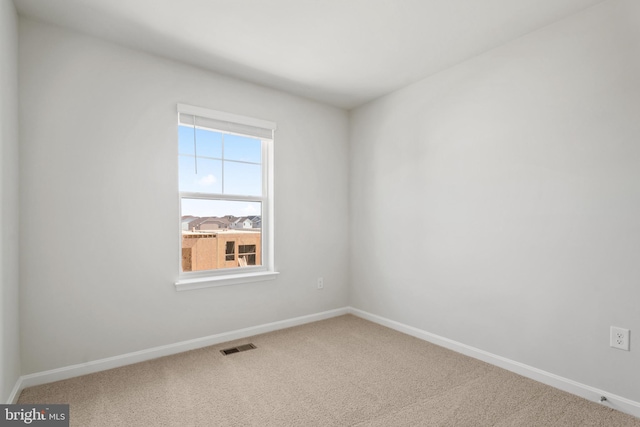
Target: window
225,164
231,251
247,254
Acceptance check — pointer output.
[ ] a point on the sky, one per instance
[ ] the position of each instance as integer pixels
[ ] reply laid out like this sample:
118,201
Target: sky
219,164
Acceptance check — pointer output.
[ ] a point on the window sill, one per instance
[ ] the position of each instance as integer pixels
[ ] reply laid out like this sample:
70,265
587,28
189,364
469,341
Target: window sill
232,279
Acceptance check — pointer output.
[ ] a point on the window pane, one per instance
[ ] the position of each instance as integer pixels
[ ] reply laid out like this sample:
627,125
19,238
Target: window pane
208,142
220,234
207,180
243,179
185,140
242,148
246,249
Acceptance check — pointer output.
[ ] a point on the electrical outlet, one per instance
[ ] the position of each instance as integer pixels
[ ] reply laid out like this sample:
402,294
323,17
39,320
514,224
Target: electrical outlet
320,283
620,338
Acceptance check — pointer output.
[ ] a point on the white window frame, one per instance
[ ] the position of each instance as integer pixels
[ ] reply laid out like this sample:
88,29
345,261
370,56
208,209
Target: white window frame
221,277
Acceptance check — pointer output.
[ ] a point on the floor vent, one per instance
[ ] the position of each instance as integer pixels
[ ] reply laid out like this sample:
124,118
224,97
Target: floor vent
237,349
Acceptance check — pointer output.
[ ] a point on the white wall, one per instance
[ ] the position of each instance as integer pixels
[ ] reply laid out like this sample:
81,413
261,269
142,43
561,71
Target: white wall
9,328
522,168
99,202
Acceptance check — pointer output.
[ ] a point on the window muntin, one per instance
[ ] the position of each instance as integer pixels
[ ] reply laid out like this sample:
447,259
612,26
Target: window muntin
224,196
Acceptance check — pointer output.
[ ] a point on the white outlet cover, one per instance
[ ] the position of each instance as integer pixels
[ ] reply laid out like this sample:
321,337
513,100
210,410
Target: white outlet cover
619,338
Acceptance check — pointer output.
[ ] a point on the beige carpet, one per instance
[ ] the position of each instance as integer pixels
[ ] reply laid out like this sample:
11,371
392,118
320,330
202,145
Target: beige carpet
338,372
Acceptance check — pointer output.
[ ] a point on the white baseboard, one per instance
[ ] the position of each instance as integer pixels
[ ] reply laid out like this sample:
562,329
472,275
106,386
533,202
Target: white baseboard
161,351
17,388
587,392
620,403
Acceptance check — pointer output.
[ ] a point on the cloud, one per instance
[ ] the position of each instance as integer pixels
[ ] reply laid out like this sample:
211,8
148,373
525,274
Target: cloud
251,209
207,180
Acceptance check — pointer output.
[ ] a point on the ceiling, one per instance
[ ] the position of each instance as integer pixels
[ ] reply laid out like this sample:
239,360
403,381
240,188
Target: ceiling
340,52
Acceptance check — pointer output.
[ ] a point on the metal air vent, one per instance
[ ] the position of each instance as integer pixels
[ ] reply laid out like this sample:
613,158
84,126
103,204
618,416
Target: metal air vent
238,349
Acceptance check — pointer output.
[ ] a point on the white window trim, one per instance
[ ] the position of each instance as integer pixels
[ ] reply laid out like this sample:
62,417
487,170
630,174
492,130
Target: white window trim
225,117
223,277
229,279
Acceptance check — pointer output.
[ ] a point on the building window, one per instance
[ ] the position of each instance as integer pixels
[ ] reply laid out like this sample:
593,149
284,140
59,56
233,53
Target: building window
225,165
247,254
231,251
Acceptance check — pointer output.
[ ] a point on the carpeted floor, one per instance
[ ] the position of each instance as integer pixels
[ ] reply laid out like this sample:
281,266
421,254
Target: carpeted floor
343,371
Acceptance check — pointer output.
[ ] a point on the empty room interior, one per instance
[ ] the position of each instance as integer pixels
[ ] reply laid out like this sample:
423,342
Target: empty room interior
435,182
